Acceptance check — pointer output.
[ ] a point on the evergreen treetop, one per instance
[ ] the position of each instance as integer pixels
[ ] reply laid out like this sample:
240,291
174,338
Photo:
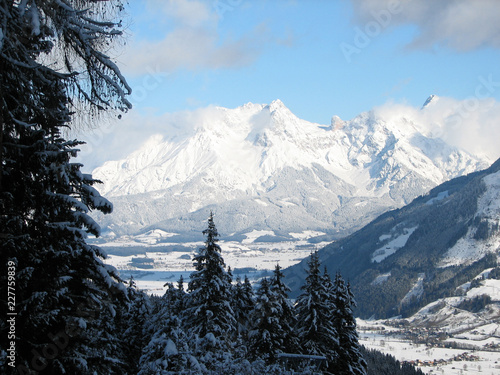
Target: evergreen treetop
315,329
286,316
349,357
209,309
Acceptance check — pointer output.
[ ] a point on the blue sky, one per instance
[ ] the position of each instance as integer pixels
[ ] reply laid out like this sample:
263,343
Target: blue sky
321,58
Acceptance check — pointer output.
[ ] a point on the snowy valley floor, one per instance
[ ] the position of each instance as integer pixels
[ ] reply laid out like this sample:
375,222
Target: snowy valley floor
153,259
384,337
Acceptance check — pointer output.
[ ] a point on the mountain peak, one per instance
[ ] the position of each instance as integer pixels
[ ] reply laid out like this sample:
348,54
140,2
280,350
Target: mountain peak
336,123
277,106
262,159
430,100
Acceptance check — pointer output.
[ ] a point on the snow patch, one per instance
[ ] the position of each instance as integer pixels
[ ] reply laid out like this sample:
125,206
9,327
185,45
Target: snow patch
416,291
467,249
304,235
392,246
170,348
490,287
154,236
380,279
442,195
261,202
489,203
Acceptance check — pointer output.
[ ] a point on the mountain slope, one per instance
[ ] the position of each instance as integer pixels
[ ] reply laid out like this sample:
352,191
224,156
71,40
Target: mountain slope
261,167
409,257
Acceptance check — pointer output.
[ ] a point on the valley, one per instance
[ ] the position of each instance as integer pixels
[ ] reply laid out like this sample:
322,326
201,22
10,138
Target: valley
154,259
442,338
412,223
464,353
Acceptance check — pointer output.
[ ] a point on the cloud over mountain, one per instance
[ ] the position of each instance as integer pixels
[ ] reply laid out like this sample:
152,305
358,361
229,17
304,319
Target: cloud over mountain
262,167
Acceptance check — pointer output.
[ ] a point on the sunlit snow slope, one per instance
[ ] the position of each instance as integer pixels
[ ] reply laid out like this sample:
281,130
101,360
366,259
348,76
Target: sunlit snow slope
261,167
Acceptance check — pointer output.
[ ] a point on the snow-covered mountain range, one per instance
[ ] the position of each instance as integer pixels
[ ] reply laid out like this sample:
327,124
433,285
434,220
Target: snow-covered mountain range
261,167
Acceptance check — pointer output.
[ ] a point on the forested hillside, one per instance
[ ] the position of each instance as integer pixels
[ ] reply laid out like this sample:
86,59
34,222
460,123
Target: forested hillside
409,257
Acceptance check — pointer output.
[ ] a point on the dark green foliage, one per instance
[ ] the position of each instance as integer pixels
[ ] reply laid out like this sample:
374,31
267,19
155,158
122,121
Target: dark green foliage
266,336
65,290
444,282
208,306
484,228
166,343
385,364
286,314
132,325
242,303
69,304
348,359
314,308
272,320
475,304
494,273
175,298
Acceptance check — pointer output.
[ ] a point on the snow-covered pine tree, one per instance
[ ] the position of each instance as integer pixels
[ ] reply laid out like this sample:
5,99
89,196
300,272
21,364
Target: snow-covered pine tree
286,317
51,57
248,289
315,329
132,325
68,298
242,303
175,297
266,337
181,297
208,314
167,349
349,359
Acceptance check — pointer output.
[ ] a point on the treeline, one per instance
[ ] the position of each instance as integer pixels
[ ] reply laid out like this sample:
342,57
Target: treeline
221,326
385,299
383,364
441,283
439,227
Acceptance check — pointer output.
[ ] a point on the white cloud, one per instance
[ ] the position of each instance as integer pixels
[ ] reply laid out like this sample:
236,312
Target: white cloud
470,124
116,139
186,35
462,25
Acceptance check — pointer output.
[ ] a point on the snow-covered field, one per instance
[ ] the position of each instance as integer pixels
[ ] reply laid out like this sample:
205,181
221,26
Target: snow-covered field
155,261
443,337
430,359
393,245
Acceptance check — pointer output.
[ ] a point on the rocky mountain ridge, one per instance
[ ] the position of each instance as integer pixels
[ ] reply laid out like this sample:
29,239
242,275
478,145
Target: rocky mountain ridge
261,167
